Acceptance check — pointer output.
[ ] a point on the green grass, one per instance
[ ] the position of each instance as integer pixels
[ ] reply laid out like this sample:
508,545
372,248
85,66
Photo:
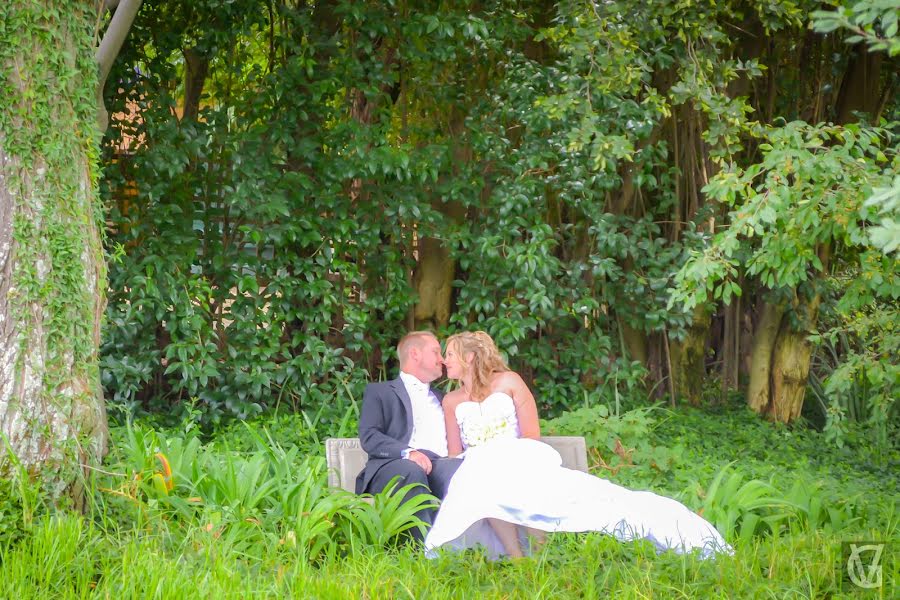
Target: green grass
247,516
68,557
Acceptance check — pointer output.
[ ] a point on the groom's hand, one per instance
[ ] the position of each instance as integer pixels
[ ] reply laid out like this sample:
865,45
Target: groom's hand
421,460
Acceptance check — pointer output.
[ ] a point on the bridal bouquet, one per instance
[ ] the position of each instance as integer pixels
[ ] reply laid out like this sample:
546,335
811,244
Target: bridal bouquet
485,429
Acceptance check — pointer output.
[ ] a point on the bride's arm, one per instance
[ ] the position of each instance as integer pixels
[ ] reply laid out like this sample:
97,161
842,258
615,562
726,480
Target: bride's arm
454,440
526,407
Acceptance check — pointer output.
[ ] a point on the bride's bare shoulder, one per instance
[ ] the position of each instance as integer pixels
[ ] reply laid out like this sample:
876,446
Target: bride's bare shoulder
507,379
512,384
451,399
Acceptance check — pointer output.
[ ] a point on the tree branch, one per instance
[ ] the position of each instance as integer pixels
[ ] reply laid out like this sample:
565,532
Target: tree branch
115,36
112,41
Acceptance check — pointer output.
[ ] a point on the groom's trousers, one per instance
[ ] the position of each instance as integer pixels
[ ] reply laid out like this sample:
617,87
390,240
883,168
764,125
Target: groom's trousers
434,483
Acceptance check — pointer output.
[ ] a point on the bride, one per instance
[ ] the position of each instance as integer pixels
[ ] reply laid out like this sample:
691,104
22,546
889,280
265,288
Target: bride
512,489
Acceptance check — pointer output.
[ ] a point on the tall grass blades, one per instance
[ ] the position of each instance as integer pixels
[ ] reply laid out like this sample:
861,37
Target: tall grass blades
21,498
58,557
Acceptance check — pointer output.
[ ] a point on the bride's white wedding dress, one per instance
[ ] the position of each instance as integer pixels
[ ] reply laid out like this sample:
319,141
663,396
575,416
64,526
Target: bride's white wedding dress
521,481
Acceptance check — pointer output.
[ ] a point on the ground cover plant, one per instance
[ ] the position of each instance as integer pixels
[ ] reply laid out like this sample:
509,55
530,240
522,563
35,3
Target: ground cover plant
244,512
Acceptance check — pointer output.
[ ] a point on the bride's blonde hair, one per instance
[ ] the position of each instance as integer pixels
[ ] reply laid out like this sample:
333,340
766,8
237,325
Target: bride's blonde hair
486,359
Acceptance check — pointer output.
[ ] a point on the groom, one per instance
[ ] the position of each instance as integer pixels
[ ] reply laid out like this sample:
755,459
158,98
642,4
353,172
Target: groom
402,429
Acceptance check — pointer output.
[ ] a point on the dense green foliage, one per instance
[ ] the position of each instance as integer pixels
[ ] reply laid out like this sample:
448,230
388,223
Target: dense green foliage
293,186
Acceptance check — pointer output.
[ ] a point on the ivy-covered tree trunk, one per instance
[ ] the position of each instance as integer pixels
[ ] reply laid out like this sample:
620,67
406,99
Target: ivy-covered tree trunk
52,274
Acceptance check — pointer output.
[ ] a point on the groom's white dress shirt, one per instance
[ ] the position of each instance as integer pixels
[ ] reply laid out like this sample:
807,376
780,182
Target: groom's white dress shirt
429,432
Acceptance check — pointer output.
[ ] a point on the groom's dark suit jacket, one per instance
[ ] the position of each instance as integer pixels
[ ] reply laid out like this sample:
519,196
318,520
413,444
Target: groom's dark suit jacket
385,426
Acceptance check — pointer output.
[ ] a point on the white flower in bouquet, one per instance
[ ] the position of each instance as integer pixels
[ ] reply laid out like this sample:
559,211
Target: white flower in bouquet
486,429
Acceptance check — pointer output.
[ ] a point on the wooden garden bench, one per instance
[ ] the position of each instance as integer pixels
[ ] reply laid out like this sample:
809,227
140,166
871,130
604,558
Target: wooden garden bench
346,458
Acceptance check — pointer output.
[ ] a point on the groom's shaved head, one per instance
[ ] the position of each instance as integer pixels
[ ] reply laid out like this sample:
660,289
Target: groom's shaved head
414,339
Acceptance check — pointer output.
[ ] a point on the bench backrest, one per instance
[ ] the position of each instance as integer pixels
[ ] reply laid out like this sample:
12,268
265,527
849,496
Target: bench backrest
346,458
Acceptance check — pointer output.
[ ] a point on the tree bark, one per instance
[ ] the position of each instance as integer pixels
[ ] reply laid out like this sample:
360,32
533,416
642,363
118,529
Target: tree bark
119,25
51,259
789,374
860,86
435,269
433,280
635,342
682,131
781,361
781,355
196,68
758,390
689,358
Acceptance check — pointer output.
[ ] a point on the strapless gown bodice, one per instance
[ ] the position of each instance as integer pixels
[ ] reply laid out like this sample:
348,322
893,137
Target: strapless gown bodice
492,418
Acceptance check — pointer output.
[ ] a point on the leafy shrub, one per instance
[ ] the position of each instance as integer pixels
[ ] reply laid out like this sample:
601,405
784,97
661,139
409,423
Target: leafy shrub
621,445
304,429
378,523
14,517
853,379
266,248
741,508
271,494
